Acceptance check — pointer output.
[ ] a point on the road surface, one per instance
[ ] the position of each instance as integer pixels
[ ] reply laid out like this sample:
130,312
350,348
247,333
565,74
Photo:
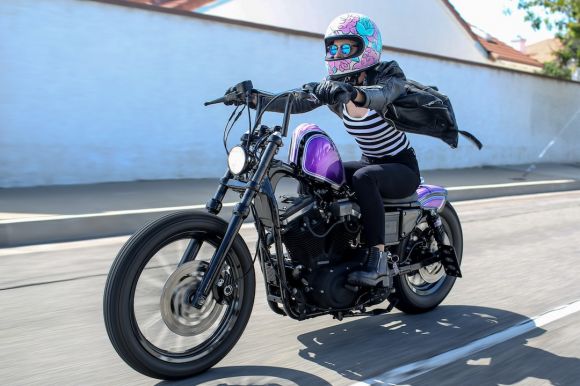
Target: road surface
520,260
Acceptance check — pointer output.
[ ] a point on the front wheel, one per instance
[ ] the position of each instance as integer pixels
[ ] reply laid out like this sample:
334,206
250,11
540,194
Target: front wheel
422,290
148,313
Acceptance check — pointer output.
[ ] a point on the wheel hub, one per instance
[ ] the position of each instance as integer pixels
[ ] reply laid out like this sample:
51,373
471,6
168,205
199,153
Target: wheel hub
179,315
432,273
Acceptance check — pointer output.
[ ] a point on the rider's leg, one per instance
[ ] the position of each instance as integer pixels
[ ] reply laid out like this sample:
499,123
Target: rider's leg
371,183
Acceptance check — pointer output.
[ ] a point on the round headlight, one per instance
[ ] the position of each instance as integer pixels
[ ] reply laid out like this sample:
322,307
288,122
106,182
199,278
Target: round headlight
237,160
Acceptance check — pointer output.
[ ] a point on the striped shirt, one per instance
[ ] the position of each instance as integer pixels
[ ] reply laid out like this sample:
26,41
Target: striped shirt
374,135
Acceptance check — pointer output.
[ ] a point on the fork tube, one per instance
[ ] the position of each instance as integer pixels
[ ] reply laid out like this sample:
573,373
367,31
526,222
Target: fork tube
241,211
287,113
214,205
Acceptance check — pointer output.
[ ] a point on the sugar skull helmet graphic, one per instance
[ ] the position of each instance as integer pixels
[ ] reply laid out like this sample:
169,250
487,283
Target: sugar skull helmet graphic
365,53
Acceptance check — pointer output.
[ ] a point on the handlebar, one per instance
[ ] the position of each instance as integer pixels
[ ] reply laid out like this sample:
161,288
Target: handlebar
240,91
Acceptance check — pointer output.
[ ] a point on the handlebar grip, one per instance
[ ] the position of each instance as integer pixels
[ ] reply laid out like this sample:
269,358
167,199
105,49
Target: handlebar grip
219,100
231,97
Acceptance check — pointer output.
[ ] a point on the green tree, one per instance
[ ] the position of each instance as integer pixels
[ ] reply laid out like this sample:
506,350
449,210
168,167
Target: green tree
561,15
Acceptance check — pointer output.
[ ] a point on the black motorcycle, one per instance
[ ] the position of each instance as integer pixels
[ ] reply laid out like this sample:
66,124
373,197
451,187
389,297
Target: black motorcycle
181,290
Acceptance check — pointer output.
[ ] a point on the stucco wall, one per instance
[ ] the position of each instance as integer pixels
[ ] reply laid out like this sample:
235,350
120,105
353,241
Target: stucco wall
420,25
94,92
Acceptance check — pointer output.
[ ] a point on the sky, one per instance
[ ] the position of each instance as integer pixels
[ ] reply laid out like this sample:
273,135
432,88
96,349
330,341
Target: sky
489,16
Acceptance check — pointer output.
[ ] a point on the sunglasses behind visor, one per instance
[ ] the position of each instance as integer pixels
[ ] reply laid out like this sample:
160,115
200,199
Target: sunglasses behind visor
345,49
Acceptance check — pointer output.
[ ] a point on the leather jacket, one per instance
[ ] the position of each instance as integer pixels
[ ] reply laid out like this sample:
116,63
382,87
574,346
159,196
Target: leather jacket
408,105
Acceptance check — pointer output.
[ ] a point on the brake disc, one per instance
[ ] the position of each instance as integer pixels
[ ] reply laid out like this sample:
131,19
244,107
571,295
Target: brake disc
179,315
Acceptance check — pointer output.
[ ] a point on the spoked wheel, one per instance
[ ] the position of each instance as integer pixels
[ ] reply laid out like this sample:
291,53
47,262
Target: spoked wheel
423,290
147,300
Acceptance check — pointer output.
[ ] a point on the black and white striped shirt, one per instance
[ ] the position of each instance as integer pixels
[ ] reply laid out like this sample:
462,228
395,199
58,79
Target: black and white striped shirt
374,135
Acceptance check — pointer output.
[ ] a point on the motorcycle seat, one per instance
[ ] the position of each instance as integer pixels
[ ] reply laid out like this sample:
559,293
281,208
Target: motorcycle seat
405,200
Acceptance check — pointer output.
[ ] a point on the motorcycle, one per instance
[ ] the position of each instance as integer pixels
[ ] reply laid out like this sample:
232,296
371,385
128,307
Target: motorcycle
181,290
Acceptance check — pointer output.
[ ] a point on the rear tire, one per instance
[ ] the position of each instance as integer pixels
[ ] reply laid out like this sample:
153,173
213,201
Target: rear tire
415,299
128,335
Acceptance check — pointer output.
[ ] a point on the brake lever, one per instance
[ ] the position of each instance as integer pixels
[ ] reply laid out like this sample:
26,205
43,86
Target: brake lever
312,98
309,89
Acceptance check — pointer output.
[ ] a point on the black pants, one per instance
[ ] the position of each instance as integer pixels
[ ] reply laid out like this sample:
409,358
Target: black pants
372,179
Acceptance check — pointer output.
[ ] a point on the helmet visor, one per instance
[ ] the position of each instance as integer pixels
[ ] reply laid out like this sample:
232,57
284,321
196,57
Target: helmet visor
340,48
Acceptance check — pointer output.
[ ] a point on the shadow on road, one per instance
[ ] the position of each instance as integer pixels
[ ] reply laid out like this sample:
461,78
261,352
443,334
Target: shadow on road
364,348
367,347
251,375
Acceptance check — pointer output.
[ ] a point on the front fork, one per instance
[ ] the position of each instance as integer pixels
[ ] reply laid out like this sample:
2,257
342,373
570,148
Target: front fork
240,213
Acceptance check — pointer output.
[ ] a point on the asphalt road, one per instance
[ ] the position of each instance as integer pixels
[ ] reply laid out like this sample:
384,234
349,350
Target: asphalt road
520,260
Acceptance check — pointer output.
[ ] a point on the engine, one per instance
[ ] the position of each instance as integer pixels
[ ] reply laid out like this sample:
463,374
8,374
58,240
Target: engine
321,240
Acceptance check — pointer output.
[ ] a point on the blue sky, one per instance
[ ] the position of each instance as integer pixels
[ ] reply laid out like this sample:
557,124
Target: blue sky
489,16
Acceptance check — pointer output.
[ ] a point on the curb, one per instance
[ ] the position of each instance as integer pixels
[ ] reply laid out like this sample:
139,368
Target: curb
52,229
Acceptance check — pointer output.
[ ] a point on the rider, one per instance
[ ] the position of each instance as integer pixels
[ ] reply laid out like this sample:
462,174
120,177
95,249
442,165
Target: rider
359,89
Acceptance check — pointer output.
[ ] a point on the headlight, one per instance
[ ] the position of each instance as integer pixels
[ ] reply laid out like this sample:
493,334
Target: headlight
237,160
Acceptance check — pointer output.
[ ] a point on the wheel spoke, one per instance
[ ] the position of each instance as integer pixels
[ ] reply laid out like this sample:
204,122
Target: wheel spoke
150,322
191,251
161,337
164,264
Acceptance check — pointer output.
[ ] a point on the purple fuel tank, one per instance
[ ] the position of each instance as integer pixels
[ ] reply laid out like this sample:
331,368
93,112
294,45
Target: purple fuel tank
314,151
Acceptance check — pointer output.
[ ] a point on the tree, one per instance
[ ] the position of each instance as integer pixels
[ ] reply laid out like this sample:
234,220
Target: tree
562,15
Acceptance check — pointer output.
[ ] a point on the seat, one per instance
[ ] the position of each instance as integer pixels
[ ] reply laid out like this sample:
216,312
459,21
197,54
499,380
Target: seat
398,201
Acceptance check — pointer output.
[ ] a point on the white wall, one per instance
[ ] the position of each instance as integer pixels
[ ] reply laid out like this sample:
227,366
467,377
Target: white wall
419,25
94,92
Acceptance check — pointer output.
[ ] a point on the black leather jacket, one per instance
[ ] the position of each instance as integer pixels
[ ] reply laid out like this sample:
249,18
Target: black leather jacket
405,103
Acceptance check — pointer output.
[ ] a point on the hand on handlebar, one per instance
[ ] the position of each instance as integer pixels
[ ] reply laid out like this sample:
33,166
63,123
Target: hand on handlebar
331,92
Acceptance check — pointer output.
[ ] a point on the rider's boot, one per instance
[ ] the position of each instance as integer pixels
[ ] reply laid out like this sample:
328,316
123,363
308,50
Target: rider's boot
373,271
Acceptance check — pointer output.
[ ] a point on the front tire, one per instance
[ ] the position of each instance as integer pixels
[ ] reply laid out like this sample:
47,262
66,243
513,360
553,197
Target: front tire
415,295
172,341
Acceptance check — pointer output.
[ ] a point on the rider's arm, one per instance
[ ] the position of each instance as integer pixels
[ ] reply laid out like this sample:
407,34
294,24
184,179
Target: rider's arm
388,84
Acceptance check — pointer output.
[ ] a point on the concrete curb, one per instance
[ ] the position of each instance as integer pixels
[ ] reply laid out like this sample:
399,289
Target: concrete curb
79,227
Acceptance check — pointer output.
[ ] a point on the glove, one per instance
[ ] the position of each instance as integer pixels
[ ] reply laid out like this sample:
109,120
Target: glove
331,92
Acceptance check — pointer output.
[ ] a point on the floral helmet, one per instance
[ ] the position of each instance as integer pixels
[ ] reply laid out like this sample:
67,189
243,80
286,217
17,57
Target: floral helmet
366,53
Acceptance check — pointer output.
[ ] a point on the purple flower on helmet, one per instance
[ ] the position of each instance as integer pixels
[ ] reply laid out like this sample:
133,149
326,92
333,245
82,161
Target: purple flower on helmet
348,27
339,66
369,58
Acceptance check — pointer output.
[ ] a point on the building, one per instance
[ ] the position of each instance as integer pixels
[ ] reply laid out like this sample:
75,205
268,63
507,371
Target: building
504,55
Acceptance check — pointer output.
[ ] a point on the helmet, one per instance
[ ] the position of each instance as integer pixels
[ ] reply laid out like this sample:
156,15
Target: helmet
368,37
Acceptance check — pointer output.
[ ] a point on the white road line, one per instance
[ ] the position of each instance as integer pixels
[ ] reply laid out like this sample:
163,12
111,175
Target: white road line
111,213
509,184
83,244
412,370
517,197
229,204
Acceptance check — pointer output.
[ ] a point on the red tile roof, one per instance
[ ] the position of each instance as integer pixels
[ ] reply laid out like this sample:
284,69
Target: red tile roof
501,51
496,49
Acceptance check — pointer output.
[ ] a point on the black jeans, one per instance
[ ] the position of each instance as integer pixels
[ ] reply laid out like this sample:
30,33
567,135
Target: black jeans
372,179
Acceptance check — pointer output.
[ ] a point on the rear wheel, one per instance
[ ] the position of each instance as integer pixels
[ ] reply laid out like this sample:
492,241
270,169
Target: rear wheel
423,290
147,308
